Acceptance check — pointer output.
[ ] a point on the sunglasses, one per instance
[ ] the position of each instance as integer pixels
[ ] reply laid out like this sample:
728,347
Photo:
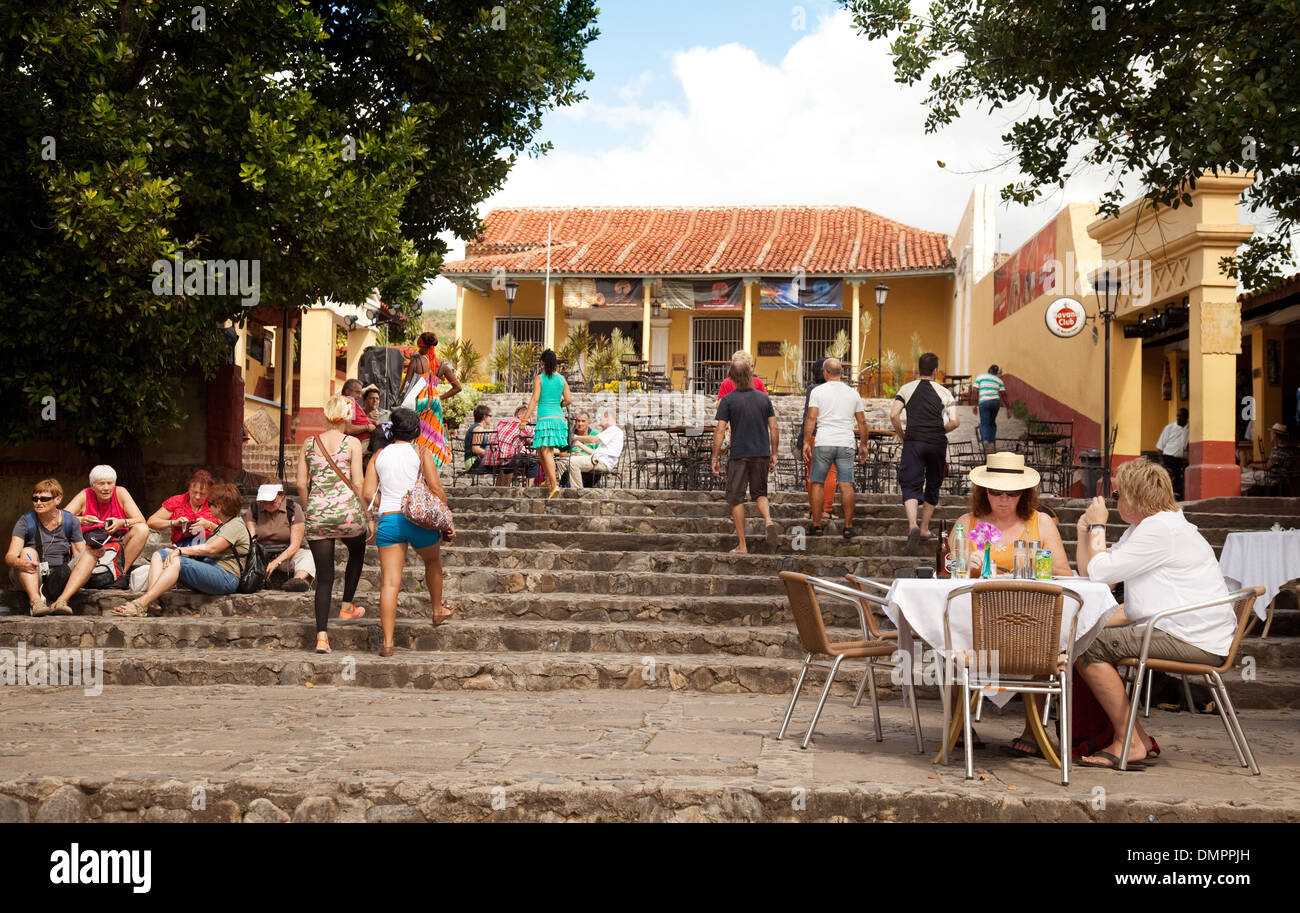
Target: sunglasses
994,493
42,499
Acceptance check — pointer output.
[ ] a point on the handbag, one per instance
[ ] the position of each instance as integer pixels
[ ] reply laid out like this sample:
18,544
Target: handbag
425,509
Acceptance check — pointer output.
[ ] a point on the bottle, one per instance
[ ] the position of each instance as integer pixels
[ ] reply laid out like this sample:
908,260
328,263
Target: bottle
960,551
942,559
1020,569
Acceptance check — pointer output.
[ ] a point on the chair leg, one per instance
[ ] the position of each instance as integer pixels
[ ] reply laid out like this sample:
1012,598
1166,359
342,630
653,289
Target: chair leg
830,680
1223,718
1236,724
803,673
945,691
965,725
862,686
1151,684
1187,696
875,701
916,717
1065,712
1132,717
979,705
1047,707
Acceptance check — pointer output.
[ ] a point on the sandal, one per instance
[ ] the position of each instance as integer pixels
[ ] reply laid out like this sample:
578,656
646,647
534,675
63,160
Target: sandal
355,612
1154,753
848,532
1030,750
130,609
1114,762
817,531
323,644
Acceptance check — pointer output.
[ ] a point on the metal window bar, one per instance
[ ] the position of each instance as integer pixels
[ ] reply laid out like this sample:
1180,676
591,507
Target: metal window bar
714,340
818,334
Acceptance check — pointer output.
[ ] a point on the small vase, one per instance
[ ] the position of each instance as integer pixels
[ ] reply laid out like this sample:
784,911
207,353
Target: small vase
987,571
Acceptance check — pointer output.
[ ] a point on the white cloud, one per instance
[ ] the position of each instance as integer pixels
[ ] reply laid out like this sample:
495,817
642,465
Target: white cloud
827,125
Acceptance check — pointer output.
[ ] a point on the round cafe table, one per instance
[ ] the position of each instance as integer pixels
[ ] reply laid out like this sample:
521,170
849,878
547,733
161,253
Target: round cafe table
1267,558
917,605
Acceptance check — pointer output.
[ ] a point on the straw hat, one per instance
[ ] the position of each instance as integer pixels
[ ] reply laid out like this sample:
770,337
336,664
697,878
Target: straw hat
1278,428
1004,472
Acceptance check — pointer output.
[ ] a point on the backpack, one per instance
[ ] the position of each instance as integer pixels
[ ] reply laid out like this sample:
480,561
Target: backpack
252,566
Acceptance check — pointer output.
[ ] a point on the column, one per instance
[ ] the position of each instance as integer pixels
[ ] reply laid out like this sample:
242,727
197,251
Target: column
747,335
1214,341
460,311
550,307
317,372
645,320
855,334
1125,396
358,341
1269,407
659,327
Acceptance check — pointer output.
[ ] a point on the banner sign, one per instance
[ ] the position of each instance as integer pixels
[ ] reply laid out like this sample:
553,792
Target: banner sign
703,294
589,293
1026,275
815,295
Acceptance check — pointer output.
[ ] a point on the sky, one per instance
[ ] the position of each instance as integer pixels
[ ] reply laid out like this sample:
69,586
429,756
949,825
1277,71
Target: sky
755,102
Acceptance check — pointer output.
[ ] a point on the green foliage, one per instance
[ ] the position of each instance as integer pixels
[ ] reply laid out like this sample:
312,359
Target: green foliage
577,345
463,357
1020,409
790,362
605,363
839,348
1160,92
455,410
893,371
527,355
331,143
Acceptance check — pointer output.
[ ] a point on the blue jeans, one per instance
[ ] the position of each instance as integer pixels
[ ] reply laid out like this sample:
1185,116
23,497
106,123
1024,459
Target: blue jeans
989,421
823,457
203,576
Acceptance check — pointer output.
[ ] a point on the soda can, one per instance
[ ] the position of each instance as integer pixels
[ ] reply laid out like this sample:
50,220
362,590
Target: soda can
1043,564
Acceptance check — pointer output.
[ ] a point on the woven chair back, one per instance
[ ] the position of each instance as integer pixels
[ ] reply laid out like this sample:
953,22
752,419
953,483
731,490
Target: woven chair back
1018,623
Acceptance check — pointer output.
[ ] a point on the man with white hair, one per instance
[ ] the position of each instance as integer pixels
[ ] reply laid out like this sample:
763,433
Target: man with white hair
280,527
609,447
109,509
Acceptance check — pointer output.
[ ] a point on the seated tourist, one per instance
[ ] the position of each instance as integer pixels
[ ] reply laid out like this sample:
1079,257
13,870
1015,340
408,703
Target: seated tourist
47,545
1004,492
370,403
107,507
582,439
213,567
1163,562
279,525
1281,472
512,451
476,438
187,515
609,447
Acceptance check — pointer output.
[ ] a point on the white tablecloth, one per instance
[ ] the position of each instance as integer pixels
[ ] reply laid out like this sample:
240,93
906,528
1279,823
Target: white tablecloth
1265,558
918,604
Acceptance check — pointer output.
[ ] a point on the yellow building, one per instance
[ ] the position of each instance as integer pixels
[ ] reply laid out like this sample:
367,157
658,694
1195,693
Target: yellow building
691,285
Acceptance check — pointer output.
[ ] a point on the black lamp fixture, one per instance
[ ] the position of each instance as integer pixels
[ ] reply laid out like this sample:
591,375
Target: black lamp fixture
1106,287
882,292
512,287
351,322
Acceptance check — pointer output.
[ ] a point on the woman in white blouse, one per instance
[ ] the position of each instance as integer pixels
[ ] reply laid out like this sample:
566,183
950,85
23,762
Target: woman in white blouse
1163,562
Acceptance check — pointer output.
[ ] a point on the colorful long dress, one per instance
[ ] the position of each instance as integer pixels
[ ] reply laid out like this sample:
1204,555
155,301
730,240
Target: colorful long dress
428,406
333,511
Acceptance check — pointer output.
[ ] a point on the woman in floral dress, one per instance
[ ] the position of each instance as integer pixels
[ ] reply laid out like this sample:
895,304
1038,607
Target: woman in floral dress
334,511
428,405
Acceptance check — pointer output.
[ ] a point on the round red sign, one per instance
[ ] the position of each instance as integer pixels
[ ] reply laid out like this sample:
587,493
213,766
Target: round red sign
1066,317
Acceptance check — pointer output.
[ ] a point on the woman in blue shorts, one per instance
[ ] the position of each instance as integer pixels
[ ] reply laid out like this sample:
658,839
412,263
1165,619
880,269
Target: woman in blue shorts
392,473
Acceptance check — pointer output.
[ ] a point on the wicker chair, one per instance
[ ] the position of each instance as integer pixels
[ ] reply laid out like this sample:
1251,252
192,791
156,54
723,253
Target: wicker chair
1244,604
802,592
1019,623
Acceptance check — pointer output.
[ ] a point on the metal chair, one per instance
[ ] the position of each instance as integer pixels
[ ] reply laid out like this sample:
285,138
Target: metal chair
1018,625
1244,604
802,590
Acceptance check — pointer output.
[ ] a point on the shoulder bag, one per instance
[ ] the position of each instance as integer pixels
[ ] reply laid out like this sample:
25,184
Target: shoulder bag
425,509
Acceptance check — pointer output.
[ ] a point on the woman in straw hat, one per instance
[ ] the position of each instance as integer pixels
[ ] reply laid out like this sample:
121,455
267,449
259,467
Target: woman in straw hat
1004,492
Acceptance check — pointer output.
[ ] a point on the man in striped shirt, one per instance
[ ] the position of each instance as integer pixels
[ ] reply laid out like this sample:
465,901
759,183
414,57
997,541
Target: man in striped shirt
992,395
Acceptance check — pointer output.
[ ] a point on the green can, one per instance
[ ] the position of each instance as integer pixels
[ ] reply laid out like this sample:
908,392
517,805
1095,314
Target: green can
1043,564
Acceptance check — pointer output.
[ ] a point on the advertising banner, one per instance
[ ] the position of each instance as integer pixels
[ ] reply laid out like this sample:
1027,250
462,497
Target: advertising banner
1025,275
815,294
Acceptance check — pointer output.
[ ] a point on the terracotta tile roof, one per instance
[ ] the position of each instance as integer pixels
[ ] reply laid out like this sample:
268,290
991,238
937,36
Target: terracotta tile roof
1282,289
710,240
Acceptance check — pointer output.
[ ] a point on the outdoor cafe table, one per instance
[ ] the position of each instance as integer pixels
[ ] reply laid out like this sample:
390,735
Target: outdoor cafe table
917,604
1267,558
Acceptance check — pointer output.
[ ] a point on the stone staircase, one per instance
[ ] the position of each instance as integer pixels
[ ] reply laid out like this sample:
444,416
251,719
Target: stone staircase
604,589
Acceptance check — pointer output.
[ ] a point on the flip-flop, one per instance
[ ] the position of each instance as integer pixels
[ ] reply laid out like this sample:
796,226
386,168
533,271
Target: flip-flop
1010,749
135,612
1154,753
356,612
1114,765
849,532
817,531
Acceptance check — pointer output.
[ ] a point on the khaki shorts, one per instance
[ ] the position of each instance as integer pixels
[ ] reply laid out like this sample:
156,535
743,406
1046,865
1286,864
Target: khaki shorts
1122,642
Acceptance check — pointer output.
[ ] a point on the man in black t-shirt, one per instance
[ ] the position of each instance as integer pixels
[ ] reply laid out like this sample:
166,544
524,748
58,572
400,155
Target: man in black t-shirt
754,438
931,414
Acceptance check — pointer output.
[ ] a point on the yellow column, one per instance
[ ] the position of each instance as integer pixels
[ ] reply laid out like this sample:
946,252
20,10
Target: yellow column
1214,340
1125,395
317,353
747,335
358,341
645,321
550,302
855,335
460,311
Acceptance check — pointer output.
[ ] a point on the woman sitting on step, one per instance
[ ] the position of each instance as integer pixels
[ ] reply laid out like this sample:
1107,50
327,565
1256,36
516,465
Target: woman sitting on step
212,568
391,474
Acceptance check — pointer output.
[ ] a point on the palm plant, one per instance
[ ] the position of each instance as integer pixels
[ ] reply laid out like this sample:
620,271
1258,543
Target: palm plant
839,348
790,362
577,346
462,355
916,347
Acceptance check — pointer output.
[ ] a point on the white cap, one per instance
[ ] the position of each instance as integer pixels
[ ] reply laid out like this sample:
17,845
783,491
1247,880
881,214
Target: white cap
268,492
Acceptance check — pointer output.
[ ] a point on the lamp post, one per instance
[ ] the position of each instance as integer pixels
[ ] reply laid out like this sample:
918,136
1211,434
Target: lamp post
882,291
1107,291
511,288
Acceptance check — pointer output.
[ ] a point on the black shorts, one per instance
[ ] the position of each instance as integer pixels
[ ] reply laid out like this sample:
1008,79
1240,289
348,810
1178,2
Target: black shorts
745,472
920,471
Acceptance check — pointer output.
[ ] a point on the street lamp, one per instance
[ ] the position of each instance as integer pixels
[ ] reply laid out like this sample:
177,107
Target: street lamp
882,291
511,288
1107,291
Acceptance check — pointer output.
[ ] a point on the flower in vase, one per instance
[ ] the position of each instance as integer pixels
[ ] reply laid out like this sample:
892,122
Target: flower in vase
985,534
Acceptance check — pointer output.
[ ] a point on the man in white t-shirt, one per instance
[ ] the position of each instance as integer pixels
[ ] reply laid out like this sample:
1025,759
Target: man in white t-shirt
608,449
833,408
1172,445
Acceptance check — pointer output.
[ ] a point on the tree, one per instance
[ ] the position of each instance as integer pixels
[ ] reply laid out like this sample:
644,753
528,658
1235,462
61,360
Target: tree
329,144
1163,90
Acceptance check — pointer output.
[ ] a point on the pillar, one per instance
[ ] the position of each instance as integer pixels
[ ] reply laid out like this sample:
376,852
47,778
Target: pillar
460,311
747,335
1269,405
1214,342
645,320
855,334
316,373
1125,396
659,327
358,341
550,308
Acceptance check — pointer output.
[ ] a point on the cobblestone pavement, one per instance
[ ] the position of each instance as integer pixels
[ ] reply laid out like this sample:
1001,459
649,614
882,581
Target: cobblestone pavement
344,753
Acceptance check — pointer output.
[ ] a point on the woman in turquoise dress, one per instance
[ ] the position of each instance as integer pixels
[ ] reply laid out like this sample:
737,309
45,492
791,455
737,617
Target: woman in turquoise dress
550,396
